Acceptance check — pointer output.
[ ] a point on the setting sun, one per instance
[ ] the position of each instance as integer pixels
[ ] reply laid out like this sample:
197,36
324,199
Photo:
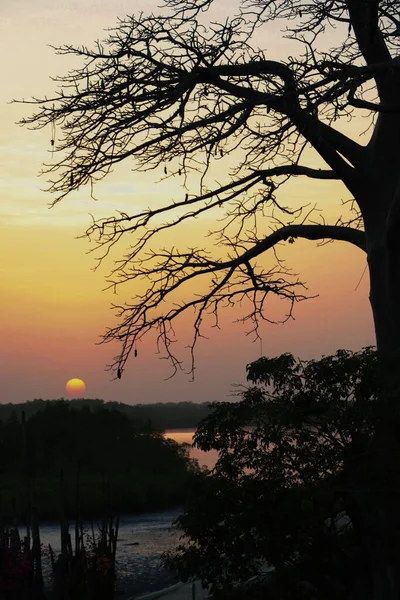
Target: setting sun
75,387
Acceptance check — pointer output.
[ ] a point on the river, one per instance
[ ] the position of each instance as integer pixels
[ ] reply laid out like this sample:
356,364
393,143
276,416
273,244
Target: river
142,538
185,436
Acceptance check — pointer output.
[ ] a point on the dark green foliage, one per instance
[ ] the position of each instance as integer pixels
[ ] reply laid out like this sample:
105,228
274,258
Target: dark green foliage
275,496
144,469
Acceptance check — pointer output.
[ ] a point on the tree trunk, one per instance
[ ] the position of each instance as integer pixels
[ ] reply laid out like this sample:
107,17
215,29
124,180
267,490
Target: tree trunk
374,477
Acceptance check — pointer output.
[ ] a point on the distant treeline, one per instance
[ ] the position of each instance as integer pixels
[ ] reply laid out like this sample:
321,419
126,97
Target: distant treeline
54,446
168,415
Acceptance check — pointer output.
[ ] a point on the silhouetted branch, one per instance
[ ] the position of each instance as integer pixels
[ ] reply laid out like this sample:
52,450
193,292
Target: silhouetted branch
383,108
182,96
236,279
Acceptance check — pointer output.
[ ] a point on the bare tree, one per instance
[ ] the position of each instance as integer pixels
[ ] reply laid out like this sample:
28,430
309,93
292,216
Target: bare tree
173,93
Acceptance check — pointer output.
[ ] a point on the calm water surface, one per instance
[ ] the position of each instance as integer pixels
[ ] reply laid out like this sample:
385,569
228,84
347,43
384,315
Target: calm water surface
185,436
142,538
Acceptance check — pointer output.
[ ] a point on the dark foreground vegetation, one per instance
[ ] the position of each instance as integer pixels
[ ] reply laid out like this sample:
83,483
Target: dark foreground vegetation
204,99
140,468
83,570
281,495
73,461
282,492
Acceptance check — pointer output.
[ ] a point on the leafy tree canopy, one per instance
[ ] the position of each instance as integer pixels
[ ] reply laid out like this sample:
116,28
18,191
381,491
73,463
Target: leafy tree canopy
277,495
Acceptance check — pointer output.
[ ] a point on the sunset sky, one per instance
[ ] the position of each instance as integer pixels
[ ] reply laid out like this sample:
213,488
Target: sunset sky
53,309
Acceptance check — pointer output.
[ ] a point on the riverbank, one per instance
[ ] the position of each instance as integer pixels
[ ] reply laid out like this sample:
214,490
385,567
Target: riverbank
160,587
179,591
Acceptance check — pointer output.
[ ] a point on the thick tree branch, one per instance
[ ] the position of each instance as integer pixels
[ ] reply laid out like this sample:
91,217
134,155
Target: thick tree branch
307,124
350,149
364,18
379,108
168,272
109,230
365,22
256,68
308,232
344,71
298,170
316,134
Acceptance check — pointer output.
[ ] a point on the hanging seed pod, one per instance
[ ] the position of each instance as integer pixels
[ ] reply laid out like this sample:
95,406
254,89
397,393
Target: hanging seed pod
180,172
119,373
52,142
135,353
165,170
71,179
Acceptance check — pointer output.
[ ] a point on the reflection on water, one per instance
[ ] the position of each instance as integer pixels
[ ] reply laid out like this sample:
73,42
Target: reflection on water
185,436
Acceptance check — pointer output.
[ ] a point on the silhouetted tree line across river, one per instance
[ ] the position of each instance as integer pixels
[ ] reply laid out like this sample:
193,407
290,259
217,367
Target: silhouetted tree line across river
122,463
161,415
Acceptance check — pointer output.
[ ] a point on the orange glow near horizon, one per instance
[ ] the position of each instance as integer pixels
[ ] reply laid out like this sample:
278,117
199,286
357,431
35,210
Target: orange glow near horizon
75,387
